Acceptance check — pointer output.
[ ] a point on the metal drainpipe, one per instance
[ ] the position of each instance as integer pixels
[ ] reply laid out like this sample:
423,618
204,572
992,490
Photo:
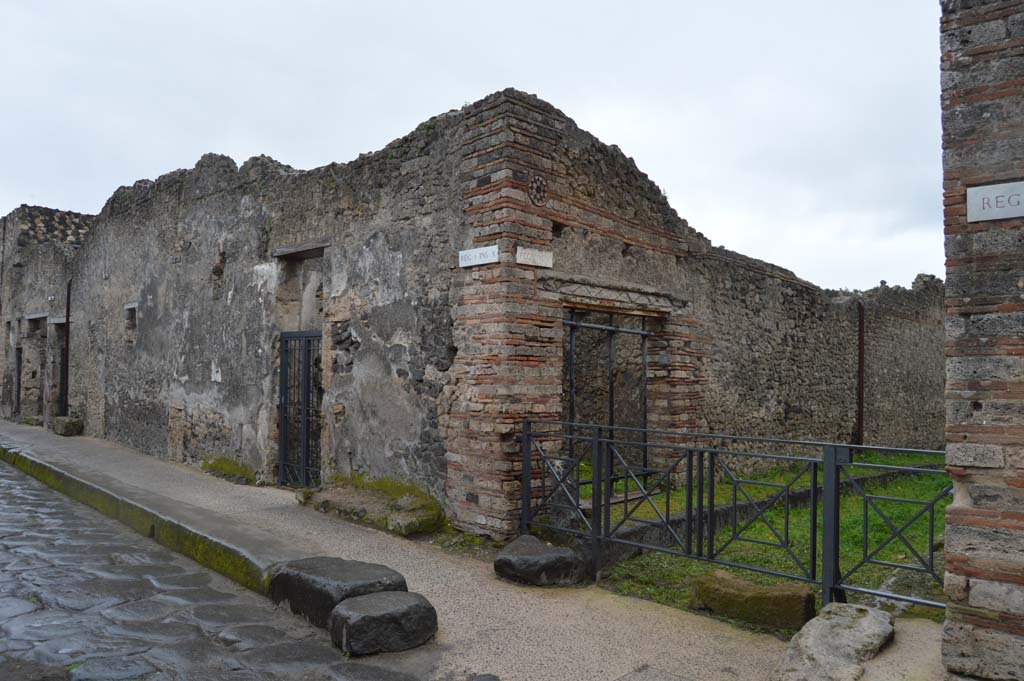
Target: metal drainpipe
858,428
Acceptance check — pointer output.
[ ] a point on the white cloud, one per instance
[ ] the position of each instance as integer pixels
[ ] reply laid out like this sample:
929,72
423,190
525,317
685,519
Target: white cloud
803,133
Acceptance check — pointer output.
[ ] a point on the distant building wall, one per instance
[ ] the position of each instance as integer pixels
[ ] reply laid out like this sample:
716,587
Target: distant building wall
983,144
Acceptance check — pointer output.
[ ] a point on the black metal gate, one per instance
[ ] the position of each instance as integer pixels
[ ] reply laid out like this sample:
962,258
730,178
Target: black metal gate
300,417
700,496
62,370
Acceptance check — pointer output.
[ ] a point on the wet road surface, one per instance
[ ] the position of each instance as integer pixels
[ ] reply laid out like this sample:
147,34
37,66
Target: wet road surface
83,598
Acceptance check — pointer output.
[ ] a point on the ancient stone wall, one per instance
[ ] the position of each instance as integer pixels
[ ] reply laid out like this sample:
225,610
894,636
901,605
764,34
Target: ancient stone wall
184,284
983,143
783,357
903,365
175,315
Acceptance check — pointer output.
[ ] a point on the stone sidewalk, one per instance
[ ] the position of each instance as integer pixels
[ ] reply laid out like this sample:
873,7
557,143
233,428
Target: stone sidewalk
486,626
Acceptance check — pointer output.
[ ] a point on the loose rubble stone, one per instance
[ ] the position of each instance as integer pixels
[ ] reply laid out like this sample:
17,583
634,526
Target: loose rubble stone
384,622
832,645
528,560
67,426
314,586
782,606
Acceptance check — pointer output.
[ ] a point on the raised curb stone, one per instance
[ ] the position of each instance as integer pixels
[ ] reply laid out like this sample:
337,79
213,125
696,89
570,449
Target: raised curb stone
783,606
384,622
832,646
314,586
528,560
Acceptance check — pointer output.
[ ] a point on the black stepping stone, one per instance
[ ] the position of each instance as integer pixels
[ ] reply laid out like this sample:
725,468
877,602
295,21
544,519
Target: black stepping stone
314,586
528,560
384,622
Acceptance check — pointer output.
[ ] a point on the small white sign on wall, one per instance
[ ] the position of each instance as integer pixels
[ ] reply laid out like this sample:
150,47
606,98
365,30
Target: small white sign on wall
995,201
478,256
535,257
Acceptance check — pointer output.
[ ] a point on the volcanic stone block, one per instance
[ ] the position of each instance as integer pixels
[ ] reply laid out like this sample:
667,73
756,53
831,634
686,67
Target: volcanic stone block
832,646
384,622
781,606
528,560
314,586
67,426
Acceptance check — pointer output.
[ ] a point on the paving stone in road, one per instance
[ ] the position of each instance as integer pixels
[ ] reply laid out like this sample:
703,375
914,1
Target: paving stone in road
83,599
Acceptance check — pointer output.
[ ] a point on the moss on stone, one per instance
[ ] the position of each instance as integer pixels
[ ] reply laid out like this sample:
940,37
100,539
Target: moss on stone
777,606
389,505
229,469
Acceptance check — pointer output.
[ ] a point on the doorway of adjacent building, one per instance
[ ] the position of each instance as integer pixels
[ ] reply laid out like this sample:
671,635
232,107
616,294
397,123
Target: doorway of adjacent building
17,379
300,419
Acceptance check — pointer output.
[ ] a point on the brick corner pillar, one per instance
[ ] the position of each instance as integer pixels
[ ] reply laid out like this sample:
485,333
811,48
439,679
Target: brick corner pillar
983,151
507,329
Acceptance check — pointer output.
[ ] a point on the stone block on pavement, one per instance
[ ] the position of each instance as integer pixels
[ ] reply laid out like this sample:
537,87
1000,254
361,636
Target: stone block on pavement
67,426
314,586
780,606
832,646
383,622
528,560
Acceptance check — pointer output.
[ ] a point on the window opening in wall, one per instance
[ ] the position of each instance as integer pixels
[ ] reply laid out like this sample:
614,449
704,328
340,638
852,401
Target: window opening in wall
131,321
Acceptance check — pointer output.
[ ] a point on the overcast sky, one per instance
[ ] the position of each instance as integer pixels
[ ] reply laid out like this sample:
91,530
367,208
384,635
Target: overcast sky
801,132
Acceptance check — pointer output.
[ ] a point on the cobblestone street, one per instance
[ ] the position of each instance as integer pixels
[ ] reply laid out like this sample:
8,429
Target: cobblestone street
83,598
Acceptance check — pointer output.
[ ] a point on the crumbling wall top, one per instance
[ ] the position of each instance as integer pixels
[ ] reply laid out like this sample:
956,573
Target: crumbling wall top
39,224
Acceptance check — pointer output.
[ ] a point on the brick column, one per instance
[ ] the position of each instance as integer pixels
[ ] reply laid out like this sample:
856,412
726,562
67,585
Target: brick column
508,331
983,141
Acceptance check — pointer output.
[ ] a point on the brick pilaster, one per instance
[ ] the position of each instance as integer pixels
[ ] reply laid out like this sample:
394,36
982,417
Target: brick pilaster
508,330
983,142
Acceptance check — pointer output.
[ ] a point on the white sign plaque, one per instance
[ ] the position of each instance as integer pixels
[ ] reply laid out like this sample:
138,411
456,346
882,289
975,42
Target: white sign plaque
484,255
995,201
535,257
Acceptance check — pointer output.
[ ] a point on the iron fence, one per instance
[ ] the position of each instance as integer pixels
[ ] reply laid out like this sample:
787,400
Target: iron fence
779,507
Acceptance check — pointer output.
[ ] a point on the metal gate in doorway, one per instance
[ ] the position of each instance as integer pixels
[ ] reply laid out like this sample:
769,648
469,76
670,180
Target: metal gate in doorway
17,379
300,417
605,372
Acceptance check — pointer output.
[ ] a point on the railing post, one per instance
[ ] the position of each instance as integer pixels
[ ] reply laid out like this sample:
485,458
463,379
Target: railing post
596,501
527,474
833,458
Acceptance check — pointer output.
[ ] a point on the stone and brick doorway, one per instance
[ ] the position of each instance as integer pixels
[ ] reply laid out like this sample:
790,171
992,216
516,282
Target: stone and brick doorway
18,360
300,419
605,376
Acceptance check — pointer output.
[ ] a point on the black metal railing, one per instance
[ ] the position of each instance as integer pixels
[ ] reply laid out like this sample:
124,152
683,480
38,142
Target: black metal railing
767,505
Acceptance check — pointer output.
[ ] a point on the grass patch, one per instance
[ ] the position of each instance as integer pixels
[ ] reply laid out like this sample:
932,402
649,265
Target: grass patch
749,487
666,579
236,471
